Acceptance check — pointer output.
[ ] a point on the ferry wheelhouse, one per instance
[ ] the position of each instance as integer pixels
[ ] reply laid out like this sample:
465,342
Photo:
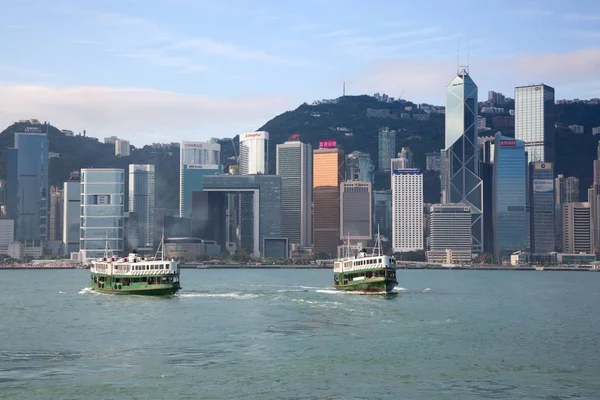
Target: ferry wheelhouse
368,273
136,275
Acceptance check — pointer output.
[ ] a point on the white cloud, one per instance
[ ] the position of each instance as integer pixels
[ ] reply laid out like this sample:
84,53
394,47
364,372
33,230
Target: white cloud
140,115
570,73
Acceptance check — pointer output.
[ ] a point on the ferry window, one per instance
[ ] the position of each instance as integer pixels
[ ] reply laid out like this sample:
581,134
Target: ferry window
379,260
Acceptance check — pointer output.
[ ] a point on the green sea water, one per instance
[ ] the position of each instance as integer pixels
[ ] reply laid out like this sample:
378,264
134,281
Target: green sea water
286,334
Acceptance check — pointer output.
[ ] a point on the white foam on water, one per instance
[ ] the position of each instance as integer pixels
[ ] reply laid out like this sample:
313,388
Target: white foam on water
426,290
400,289
60,292
87,290
239,296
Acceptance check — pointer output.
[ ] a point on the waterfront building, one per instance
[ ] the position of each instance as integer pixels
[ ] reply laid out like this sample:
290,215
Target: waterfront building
509,192
450,234
387,148
577,228
407,210
122,148
7,234
102,214
196,160
254,153
294,166
141,202
541,207
27,183
566,189
356,211
461,157
359,167
55,220
328,172
71,213
534,121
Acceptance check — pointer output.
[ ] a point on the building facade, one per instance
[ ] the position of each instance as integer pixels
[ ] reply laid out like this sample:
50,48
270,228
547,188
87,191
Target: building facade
534,121
407,210
294,166
461,157
450,234
55,219
102,213
509,197
359,167
71,213
566,189
254,153
356,211
387,148
382,212
541,207
577,229
141,202
196,160
122,148
432,161
328,170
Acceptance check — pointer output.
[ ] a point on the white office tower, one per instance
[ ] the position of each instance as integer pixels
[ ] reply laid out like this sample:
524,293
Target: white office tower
254,153
450,234
407,210
294,165
122,148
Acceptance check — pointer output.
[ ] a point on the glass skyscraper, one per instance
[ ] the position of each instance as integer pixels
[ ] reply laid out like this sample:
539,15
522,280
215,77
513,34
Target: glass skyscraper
141,202
534,121
387,148
27,172
359,167
102,214
461,181
294,165
196,160
509,192
72,213
541,208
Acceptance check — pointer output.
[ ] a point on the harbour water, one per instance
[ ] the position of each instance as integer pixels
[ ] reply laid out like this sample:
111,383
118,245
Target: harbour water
286,334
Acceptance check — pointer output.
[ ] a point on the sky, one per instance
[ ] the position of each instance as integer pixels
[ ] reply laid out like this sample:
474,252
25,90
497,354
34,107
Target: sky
171,70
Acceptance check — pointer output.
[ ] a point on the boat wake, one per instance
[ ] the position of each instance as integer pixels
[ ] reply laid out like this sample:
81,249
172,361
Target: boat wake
88,290
239,296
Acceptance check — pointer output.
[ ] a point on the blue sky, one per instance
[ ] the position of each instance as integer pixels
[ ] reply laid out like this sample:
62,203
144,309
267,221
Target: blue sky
170,70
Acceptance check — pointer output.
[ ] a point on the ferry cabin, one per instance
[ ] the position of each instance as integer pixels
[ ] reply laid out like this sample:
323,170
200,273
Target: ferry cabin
123,275
350,270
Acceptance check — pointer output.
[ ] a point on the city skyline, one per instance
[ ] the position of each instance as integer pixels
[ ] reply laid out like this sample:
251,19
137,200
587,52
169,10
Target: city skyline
146,74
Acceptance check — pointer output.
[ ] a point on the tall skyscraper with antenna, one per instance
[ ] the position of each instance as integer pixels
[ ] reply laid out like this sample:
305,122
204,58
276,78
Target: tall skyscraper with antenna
461,164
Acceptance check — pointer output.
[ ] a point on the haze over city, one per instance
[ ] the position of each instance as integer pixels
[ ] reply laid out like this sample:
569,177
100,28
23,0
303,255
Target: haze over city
183,70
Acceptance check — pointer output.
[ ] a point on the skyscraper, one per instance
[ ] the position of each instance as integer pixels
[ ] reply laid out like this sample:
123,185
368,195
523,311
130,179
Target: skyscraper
328,171
71,213
356,211
122,148
541,207
102,216
382,212
387,148
534,121
407,210
141,202
405,160
359,167
450,234
577,230
55,220
294,165
254,153
196,160
27,173
509,192
566,189
461,181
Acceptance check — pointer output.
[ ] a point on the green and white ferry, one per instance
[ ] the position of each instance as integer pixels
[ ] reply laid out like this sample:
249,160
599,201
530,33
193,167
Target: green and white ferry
367,273
147,276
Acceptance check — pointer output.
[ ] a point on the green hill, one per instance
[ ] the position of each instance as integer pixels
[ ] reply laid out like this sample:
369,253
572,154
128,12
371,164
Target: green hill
346,120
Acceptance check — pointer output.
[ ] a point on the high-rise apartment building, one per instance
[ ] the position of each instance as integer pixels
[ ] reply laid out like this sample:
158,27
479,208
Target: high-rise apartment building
27,184
102,214
461,157
359,167
387,148
509,197
122,148
407,210
356,211
450,234
55,219
328,172
196,160
566,189
71,213
534,121
254,153
295,166
541,207
141,202
577,229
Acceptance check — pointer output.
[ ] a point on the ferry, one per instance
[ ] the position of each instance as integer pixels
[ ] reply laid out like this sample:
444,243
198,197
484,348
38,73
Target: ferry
148,276
366,273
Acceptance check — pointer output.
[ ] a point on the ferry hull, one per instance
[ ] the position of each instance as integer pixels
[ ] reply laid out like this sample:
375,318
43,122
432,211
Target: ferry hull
365,286
162,290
